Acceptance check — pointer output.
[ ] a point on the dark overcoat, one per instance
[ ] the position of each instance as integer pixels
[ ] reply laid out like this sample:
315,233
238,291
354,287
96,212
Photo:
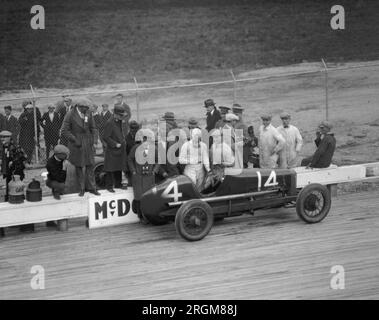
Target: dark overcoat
144,177
2,122
115,159
27,134
51,128
212,119
325,151
13,126
80,134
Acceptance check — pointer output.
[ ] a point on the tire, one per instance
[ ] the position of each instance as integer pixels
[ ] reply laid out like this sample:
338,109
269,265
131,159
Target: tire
194,220
313,203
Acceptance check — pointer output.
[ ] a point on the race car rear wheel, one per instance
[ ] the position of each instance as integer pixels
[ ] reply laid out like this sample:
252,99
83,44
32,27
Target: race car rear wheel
194,220
313,203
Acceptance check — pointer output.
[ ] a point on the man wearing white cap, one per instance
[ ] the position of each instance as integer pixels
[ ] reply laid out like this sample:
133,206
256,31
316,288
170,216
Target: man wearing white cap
194,155
270,143
288,156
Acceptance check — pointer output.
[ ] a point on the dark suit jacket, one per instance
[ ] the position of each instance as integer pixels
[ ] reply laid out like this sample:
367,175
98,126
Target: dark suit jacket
324,153
51,128
13,126
101,120
125,123
55,170
212,119
2,122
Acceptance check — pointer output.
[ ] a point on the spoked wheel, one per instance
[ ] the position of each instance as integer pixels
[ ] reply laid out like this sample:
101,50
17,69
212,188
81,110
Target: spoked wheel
194,220
100,176
313,203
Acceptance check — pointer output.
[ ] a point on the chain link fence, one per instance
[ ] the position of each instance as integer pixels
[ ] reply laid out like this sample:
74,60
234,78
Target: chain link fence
346,95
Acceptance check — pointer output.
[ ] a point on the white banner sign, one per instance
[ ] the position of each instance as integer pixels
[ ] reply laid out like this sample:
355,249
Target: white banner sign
111,209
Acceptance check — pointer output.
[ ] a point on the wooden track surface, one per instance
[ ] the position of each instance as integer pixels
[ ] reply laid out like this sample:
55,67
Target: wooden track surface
272,255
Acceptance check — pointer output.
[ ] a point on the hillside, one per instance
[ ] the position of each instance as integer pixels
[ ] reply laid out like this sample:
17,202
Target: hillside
101,42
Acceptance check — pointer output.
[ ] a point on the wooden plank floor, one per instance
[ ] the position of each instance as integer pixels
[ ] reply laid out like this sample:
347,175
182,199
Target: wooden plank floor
272,255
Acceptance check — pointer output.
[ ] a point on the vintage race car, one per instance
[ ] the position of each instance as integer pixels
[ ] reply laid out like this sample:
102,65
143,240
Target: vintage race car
177,199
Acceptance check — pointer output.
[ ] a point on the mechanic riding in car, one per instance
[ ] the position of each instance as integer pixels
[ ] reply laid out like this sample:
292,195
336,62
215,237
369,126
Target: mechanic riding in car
221,157
194,155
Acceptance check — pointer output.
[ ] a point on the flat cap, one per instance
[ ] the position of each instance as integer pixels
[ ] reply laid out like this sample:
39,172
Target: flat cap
237,108
325,124
8,108
224,109
209,102
231,117
83,102
61,149
26,102
133,125
120,109
285,115
192,121
169,116
266,116
5,133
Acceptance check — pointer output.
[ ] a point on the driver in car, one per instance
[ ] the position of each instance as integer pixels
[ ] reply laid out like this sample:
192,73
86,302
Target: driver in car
221,156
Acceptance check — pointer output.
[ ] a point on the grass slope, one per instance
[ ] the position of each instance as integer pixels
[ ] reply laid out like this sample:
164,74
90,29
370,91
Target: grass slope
97,42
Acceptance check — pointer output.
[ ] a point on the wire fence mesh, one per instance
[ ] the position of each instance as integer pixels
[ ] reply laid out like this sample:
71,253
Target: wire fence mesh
348,95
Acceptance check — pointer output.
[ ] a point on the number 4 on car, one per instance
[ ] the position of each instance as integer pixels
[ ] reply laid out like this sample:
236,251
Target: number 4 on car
194,212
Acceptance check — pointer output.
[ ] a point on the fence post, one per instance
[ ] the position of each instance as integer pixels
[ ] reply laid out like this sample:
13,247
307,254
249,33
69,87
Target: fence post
137,98
234,86
326,90
35,124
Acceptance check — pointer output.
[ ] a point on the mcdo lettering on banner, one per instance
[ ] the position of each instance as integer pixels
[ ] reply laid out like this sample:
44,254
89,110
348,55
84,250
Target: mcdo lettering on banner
111,209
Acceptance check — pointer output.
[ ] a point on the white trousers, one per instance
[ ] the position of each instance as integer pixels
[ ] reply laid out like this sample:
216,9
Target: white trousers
196,173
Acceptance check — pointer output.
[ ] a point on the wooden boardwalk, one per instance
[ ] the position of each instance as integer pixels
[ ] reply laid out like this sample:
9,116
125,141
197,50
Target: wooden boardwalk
272,255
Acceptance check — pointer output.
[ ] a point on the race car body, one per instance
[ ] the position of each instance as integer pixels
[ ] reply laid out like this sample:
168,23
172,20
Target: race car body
178,199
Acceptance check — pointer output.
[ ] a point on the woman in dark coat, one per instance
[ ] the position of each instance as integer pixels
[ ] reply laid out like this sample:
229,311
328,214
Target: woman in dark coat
27,134
115,157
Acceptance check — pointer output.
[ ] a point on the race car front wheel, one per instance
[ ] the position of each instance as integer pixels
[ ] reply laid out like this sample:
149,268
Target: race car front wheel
313,203
194,220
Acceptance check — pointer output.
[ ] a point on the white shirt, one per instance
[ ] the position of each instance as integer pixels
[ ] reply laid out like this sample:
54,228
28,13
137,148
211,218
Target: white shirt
222,154
270,143
292,146
190,154
81,115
